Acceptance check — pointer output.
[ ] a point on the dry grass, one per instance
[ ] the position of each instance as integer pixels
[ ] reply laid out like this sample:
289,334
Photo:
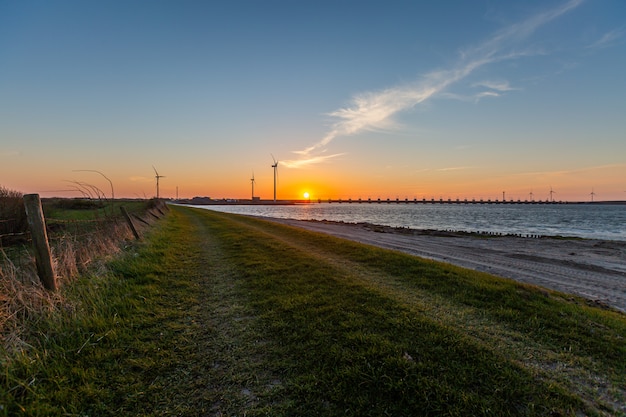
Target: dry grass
82,237
218,314
72,256
24,300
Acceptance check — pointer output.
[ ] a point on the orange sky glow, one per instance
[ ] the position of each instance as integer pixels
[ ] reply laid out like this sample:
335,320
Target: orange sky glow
441,101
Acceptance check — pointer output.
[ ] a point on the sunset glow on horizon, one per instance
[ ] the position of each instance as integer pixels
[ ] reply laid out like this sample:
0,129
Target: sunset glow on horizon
400,100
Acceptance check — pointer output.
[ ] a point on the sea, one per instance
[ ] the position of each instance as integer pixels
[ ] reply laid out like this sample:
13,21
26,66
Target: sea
590,221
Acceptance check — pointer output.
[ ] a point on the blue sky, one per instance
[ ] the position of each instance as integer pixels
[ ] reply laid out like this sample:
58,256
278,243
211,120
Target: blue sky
355,99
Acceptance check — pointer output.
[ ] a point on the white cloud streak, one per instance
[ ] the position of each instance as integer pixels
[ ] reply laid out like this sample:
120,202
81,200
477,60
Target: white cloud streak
140,179
453,169
609,39
306,161
501,86
486,94
375,110
493,89
583,170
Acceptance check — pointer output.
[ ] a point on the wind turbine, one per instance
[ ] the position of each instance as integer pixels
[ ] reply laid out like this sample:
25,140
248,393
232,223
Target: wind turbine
592,194
157,176
252,180
531,195
552,192
275,166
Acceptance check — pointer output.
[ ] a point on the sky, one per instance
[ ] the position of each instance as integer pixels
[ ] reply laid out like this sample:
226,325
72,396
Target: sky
354,99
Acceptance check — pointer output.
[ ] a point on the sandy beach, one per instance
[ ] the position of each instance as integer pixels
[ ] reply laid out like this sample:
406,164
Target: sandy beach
593,269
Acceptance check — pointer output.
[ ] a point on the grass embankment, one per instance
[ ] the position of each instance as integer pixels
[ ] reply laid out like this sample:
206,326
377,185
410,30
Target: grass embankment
80,209
218,314
79,233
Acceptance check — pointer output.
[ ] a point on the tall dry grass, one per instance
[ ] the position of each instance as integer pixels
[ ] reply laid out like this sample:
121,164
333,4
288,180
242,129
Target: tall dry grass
72,256
76,248
23,299
12,216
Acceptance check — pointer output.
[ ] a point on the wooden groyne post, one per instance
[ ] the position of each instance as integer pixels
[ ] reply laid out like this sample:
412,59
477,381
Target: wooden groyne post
37,226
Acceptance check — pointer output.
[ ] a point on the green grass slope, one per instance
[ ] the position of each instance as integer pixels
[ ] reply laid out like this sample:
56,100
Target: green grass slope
216,314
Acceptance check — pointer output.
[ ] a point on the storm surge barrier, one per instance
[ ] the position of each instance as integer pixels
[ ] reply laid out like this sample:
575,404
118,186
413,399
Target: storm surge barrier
438,201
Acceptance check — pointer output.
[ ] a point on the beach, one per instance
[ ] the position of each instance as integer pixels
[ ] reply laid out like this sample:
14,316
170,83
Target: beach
590,268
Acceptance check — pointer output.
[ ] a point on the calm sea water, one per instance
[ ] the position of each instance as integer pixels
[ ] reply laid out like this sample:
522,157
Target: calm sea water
598,221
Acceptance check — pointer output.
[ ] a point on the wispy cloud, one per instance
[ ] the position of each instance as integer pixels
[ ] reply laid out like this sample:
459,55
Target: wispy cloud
609,39
452,169
300,163
375,110
488,89
486,94
140,179
501,86
583,170
493,89
9,153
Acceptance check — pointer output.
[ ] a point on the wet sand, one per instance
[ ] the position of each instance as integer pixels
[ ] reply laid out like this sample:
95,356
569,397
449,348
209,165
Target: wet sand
593,269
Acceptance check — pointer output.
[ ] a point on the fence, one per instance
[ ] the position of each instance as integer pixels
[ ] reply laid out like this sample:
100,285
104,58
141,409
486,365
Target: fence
11,231
54,240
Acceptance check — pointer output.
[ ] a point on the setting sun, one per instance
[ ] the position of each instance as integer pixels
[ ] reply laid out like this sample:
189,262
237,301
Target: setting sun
306,195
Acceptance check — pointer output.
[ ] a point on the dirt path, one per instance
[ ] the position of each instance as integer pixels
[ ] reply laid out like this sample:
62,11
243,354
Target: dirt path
593,269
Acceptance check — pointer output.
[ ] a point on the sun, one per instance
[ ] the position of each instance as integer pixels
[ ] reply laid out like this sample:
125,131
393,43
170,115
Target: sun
306,195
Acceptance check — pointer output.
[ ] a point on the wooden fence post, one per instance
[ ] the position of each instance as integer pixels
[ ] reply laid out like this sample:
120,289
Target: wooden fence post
130,222
37,226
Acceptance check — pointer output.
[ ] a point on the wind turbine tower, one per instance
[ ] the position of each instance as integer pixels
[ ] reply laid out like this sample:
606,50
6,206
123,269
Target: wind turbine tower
252,180
551,193
157,176
275,166
592,194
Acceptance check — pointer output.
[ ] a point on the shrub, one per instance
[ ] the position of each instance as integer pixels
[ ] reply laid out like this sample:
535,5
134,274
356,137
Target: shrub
77,204
12,215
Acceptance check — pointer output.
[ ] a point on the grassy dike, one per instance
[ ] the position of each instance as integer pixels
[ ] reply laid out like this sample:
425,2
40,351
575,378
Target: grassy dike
217,314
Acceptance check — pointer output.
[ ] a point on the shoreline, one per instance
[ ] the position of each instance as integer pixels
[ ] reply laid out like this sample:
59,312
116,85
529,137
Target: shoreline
605,222
203,201
594,269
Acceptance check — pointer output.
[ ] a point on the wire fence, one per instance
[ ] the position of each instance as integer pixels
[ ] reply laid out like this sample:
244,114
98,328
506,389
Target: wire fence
11,230
73,243
56,228
74,246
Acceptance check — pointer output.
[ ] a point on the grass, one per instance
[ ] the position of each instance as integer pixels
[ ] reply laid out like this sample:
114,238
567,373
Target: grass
81,209
216,314
80,243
